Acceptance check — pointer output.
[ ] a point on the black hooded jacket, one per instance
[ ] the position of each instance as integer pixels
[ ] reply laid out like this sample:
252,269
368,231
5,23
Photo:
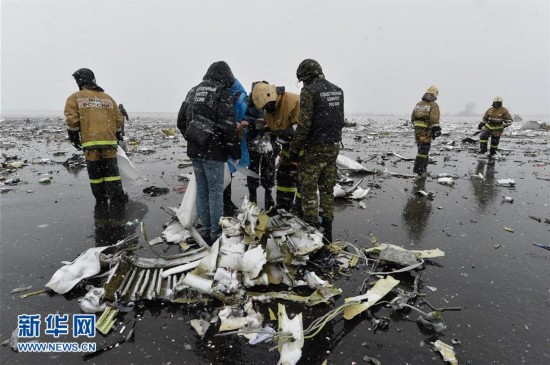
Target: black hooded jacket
211,100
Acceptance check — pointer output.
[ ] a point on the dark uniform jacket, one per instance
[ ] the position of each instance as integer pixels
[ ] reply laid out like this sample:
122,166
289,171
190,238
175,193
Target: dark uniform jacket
211,100
321,115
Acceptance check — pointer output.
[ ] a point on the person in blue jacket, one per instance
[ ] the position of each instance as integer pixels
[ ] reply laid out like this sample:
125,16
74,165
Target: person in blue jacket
240,103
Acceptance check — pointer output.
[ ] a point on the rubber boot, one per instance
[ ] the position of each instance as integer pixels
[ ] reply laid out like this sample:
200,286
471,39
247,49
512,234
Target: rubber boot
228,207
252,195
268,200
297,208
417,164
100,193
327,230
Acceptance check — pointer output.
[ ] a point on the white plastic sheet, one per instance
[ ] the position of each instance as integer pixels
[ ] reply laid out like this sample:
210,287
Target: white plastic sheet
128,172
84,266
346,163
187,212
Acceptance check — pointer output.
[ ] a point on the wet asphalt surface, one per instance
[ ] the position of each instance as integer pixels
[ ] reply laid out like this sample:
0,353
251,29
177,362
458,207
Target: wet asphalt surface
499,278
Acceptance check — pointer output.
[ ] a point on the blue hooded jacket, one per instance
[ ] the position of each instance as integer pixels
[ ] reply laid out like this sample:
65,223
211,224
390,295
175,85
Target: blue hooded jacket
239,106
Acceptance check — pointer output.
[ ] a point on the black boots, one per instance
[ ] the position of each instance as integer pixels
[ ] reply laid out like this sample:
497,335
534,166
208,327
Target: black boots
268,200
326,225
252,195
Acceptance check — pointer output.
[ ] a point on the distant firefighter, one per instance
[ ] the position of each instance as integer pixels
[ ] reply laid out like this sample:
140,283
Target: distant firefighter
425,118
124,115
496,118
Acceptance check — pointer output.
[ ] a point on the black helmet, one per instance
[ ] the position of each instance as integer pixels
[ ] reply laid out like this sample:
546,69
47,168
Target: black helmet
84,76
308,69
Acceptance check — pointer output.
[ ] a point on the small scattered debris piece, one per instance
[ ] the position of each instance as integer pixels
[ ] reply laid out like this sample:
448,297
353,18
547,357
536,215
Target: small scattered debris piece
169,131
32,293
179,189
371,360
425,193
107,320
506,182
402,157
91,302
377,292
75,162
446,181
546,247
446,352
45,180
16,164
290,351
507,199
155,191
508,229
469,140
155,241
200,326
19,290
536,218
497,246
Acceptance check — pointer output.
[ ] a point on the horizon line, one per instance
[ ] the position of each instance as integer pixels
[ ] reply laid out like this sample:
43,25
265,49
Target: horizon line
19,113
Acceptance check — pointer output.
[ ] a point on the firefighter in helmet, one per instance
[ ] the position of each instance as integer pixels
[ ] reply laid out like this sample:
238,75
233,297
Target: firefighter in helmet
496,118
425,119
94,124
281,112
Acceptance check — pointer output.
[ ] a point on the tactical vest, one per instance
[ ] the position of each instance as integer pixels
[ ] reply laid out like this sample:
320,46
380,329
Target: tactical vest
328,112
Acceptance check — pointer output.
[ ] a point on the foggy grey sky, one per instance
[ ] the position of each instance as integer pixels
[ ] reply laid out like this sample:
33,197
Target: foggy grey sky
383,54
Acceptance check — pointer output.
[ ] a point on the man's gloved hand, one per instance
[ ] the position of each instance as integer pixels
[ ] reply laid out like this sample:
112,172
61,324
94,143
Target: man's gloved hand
287,134
119,137
74,138
294,157
436,132
507,123
480,125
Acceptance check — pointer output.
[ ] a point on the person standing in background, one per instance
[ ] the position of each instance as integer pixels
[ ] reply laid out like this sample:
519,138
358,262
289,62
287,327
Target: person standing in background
125,116
425,119
495,119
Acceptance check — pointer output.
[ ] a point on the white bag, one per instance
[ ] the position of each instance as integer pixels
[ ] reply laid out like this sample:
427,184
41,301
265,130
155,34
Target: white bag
128,172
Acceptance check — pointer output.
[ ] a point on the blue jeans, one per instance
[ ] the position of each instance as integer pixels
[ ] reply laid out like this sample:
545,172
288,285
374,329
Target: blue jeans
209,177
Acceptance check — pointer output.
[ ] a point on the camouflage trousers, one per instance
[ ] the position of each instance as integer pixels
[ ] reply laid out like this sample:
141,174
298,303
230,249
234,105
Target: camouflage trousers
317,171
